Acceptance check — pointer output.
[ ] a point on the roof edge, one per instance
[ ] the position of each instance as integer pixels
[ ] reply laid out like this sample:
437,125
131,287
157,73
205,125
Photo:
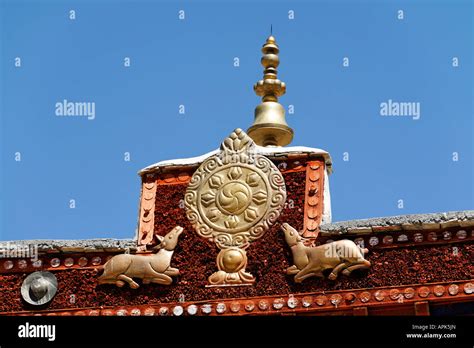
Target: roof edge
275,153
401,222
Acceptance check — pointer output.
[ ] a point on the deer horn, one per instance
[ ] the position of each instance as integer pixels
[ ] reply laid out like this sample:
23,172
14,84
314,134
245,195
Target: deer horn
160,240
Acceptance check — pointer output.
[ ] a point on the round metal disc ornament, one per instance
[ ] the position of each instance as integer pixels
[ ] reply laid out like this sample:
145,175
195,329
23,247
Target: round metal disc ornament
39,288
233,199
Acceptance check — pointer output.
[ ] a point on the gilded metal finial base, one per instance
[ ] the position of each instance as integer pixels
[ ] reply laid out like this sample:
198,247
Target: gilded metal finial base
271,134
269,127
233,198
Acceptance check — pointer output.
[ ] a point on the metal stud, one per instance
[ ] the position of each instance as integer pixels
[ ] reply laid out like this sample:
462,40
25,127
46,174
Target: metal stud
409,293
307,301
321,300
192,309
221,308
149,312
8,265
235,307
278,303
335,299
453,289
178,311
379,295
135,312
69,262
39,288
469,288
55,262
364,296
438,290
22,264
424,291
163,311
249,306
373,241
263,305
206,308
82,261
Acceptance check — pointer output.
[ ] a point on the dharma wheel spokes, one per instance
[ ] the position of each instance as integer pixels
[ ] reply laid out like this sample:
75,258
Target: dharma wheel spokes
233,198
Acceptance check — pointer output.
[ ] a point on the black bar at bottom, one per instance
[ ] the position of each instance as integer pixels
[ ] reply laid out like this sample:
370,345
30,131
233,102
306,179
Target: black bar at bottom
292,330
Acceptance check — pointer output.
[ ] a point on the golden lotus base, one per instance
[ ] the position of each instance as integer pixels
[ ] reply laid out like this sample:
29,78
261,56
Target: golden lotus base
231,263
240,277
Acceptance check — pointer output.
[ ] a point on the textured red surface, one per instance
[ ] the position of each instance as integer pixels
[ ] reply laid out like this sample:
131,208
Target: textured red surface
267,262
268,258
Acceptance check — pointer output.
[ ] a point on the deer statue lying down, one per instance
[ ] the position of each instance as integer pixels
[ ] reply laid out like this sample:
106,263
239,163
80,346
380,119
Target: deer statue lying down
155,268
342,255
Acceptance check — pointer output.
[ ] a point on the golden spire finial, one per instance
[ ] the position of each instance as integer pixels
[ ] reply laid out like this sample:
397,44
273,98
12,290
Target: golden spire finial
269,127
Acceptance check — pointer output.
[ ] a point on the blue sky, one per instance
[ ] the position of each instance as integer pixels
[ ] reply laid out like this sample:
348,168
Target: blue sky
191,62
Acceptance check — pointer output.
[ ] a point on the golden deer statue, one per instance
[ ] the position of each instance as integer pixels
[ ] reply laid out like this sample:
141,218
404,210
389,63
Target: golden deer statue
342,255
154,268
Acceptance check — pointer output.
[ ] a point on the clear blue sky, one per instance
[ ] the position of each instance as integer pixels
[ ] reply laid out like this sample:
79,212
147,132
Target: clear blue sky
190,62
